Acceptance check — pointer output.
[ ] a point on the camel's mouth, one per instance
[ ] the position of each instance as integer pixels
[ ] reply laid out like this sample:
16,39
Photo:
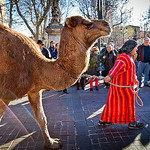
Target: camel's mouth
107,32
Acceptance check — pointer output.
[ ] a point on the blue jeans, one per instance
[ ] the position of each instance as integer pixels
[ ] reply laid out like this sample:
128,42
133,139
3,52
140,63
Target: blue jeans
143,68
136,65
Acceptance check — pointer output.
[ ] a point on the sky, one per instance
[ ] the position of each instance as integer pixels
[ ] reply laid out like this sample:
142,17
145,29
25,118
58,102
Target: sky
139,6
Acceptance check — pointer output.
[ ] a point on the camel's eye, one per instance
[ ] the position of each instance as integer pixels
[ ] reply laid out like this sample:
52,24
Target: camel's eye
89,25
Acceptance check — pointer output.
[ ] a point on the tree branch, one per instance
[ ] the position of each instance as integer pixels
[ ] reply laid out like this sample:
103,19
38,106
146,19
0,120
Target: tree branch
46,9
24,19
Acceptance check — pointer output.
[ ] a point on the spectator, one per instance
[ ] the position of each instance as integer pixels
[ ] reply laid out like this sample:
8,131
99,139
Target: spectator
56,50
120,105
109,60
93,67
81,82
143,62
44,51
115,51
51,48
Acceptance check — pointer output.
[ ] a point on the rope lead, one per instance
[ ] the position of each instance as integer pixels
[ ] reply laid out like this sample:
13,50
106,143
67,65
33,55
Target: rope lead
122,86
135,92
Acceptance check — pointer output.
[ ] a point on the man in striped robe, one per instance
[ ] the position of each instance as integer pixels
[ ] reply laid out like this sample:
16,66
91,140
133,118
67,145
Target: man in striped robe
120,105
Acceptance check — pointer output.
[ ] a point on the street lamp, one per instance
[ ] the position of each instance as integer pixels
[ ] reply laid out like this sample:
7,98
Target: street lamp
100,15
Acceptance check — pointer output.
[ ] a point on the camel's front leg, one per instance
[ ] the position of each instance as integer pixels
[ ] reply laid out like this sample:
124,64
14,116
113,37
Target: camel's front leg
37,107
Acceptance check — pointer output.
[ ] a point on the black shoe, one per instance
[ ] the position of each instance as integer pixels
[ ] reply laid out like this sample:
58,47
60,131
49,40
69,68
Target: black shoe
78,88
146,84
65,91
102,123
96,88
83,88
136,125
91,89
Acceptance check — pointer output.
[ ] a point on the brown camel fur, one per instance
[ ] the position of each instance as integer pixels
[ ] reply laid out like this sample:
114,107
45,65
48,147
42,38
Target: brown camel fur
24,70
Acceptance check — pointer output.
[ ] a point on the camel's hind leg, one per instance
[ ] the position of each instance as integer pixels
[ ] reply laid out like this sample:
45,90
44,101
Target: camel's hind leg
3,106
37,107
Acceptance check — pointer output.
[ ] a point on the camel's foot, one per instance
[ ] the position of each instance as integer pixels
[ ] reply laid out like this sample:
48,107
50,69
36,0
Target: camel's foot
54,144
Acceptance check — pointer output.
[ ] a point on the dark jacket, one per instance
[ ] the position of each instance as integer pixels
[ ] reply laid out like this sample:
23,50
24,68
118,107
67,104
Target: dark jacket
45,52
140,52
54,54
104,52
51,50
94,63
109,61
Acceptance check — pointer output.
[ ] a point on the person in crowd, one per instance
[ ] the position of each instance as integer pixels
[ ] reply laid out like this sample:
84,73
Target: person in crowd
81,82
109,60
56,50
120,105
143,58
115,51
93,67
44,51
51,49
136,64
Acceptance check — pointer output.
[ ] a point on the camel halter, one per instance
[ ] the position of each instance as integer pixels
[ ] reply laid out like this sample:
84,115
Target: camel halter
63,68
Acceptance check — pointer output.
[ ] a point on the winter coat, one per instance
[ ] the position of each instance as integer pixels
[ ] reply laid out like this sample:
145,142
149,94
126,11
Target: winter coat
140,52
45,52
51,50
94,64
109,60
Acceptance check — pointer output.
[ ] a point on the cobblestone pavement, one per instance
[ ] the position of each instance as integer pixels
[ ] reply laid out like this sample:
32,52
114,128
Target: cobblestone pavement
73,118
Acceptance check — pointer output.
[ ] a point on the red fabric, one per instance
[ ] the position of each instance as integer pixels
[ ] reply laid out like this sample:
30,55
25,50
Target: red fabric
96,82
91,82
120,105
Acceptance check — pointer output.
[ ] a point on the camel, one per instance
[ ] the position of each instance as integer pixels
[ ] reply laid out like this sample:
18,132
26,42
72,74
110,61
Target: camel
24,70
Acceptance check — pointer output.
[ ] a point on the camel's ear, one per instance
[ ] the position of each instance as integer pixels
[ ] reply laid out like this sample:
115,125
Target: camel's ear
71,22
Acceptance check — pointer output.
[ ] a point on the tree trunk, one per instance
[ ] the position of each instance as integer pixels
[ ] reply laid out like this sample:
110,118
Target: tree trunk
37,33
10,14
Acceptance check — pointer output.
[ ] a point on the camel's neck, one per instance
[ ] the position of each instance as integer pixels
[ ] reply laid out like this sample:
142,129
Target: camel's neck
72,62
74,54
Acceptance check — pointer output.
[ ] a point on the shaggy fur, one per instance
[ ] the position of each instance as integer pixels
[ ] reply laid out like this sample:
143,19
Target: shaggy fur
24,70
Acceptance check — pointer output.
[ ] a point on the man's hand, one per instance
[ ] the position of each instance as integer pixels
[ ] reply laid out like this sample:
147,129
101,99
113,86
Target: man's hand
107,79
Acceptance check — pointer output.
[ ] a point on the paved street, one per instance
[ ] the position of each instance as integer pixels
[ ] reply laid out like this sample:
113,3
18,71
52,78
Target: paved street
73,118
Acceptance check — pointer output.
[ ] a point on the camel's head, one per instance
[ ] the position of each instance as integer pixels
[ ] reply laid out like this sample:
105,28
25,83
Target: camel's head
87,31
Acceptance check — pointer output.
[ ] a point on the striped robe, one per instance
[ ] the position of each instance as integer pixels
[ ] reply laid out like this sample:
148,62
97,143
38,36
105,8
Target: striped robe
120,105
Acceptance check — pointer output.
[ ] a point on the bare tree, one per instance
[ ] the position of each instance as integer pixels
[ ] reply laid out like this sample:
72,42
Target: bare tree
145,26
10,13
85,8
33,14
116,12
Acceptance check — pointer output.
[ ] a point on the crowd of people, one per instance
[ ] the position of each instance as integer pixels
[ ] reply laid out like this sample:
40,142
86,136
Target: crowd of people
121,69
102,61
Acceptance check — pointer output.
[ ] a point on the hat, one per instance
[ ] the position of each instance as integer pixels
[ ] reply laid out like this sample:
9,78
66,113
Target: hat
94,49
128,46
52,42
40,42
